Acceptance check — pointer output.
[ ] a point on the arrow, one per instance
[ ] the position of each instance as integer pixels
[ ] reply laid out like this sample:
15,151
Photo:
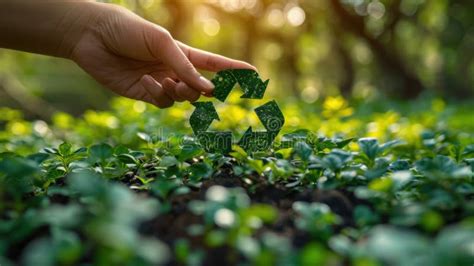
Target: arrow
271,116
248,80
203,116
272,119
223,81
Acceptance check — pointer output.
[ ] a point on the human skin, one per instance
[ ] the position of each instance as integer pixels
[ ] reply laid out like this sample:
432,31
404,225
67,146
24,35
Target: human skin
122,51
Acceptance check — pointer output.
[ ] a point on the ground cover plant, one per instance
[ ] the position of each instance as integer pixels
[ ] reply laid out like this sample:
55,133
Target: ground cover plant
356,186
359,151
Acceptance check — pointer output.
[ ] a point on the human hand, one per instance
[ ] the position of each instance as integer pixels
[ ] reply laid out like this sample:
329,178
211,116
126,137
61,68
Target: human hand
141,60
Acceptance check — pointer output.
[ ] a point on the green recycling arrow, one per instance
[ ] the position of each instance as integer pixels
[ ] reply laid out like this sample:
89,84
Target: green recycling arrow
248,79
254,88
203,116
272,119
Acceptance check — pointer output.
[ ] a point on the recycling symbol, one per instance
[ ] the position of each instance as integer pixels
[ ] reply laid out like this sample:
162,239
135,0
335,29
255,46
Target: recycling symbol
269,114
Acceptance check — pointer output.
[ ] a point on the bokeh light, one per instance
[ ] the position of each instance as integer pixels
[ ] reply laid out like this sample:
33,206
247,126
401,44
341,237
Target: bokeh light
275,17
273,51
295,16
224,217
376,9
211,27
310,94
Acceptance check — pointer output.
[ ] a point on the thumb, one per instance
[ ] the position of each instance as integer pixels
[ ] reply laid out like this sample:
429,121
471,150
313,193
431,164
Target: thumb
169,51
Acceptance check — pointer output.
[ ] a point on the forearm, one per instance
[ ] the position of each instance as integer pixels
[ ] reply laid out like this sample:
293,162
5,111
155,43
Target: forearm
50,27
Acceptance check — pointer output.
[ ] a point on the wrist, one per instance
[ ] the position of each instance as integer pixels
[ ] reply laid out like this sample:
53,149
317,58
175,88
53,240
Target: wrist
46,27
81,18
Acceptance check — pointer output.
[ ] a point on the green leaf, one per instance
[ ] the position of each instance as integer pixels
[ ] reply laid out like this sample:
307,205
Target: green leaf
468,150
454,245
163,188
398,247
120,149
66,216
303,150
80,150
364,216
38,157
315,218
381,184
399,165
263,211
168,161
342,143
289,139
369,146
380,167
86,183
51,151
65,149
101,152
314,254
189,151
16,174
199,171
388,145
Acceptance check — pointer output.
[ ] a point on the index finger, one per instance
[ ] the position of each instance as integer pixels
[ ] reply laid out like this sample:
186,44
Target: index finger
166,49
210,61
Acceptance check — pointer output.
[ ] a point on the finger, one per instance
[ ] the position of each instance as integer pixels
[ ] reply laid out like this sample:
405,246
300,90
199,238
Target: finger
173,56
162,72
185,92
212,62
156,91
169,86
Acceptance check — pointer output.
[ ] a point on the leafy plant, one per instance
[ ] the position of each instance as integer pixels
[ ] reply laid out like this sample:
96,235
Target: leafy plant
127,194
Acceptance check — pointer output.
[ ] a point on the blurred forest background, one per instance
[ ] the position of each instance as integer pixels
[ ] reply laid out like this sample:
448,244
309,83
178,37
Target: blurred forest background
361,49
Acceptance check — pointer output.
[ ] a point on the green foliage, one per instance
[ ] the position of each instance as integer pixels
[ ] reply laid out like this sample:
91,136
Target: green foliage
366,182
315,218
128,194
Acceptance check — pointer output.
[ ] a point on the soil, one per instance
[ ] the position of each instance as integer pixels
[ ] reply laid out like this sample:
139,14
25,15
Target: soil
172,225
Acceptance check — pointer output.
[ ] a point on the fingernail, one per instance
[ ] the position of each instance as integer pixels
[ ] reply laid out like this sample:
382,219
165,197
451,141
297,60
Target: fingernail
206,83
